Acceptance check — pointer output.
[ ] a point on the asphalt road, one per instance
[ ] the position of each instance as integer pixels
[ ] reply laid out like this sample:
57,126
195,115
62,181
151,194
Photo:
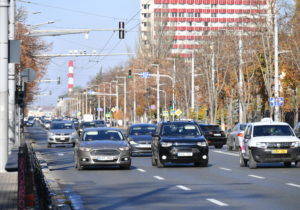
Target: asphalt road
221,185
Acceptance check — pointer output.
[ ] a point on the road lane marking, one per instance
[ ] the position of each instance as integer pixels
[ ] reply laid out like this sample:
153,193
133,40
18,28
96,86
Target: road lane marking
219,203
227,153
141,170
293,185
258,177
183,187
225,169
159,177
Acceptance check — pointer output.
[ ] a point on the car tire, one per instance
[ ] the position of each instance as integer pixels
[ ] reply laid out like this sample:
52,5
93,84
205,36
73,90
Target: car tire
159,163
297,164
203,163
234,146
252,162
197,164
153,160
49,145
218,146
243,161
73,144
287,164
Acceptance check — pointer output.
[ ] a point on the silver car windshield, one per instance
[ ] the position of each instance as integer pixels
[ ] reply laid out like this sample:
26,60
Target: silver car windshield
102,135
55,126
142,130
272,130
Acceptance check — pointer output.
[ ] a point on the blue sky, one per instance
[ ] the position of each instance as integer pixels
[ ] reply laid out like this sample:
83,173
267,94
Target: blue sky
83,14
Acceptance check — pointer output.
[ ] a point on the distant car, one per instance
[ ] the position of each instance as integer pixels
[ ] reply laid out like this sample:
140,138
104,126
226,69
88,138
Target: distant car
269,141
46,124
62,132
297,129
102,147
179,142
214,135
30,121
84,125
236,136
100,123
139,137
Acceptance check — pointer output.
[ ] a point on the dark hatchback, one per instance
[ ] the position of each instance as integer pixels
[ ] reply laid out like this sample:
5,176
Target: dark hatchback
139,137
179,142
214,135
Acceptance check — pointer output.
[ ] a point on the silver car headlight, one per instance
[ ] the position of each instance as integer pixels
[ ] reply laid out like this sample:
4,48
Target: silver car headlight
166,144
262,145
85,149
130,140
51,134
295,144
124,148
202,144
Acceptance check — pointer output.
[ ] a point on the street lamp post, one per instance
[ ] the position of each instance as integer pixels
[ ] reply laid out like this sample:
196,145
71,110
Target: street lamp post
276,80
125,111
173,84
157,93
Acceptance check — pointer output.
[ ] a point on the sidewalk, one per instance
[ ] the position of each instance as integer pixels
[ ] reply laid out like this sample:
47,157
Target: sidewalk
8,190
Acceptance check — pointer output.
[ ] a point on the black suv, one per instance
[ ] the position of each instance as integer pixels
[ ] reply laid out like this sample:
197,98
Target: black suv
179,142
214,135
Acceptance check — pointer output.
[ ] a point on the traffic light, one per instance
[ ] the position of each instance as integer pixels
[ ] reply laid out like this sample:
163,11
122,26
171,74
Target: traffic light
121,30
171,105
129,73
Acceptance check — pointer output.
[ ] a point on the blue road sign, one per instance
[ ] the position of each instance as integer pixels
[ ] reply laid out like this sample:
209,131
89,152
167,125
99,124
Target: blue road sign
272,101
280,101
145,74
276,101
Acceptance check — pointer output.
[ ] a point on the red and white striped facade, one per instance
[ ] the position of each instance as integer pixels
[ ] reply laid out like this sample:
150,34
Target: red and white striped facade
71,76
194,20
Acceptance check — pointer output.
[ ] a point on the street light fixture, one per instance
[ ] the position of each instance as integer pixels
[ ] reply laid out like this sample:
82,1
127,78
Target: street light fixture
157,92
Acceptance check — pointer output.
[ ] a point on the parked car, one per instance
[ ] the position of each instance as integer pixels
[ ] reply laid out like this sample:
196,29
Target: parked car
30,121
139,137
179,142
102,147
236,136
62,132
269,141
214,135
84,125
297,129
100,123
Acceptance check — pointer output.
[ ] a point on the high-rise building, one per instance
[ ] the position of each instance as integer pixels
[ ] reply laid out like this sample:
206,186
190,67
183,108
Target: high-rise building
188,23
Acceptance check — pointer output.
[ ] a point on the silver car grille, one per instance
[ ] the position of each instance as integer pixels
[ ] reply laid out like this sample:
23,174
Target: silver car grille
62,134
105,152
279,144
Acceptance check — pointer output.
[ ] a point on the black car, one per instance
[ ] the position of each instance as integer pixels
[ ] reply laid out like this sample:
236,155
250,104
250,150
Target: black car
179,142
139,137
214,135
100,123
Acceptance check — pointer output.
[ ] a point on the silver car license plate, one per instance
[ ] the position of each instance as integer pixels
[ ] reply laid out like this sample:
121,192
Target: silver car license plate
105,158
184,154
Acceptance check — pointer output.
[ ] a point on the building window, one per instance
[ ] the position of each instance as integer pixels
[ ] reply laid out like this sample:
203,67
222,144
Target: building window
214,15
146,6
181,14
213,6
205,23
146,15
190,14
174,14
197,14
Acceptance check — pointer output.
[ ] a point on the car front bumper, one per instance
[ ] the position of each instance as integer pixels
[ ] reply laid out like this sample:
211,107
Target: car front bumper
276,155
141,148
212,140
87,159
61,139
183,154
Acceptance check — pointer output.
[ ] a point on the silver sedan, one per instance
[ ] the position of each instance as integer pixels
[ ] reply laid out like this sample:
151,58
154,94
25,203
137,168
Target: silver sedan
102,147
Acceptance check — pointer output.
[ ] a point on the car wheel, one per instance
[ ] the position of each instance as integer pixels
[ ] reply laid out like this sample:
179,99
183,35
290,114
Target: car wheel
252,162
78,166
73,144
287,164
243,161
159,163
203,163
49,145
297,164
153,161
197,164
218,146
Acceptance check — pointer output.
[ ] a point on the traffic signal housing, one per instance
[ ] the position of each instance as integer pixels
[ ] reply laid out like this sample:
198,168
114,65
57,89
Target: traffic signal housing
129,73
121,30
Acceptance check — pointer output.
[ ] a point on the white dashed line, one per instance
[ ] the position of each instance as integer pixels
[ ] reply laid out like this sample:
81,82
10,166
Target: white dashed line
141,170
183,187
219,203
258,177
293,185
226,169
227,153
159,177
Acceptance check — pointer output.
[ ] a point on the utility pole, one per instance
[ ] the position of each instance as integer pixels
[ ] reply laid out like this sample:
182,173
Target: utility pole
241,113
12,77
157,93
193,82
3,83
276,80
125,102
